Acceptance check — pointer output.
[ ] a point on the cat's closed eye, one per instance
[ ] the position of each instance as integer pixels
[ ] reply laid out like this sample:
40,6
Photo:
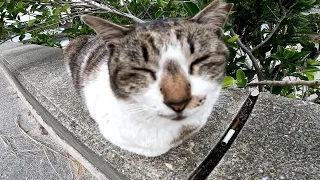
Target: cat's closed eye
197,61
145,53
152,73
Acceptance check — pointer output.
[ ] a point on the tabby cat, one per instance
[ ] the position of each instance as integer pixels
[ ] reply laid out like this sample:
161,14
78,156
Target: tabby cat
152,85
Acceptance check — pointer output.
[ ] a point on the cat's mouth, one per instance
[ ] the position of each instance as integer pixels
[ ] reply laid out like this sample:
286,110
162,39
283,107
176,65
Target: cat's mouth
177,117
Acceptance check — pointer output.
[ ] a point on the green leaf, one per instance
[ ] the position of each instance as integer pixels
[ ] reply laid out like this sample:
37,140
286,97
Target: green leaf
71,30
231,12
288,53
241,78
15,30
202,3
299,55
232,45
291,96
306,2
233,39
56,11
313,62
228,81
11,7
160,3
191,8
65,7
19,4
159,14
240,75
310,69
302,19
303,42
31,22
280,50
1,4
8,1
310,75
227,28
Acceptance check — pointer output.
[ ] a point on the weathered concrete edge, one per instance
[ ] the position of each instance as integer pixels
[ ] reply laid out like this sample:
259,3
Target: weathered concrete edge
99,168
244,100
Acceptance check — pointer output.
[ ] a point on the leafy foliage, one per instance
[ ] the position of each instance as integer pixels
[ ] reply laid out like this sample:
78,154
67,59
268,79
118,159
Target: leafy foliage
277,33
289,53
314,22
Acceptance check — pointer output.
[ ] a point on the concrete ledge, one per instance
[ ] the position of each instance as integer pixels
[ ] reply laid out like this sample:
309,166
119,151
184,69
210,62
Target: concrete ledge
40,76
280,140
84,155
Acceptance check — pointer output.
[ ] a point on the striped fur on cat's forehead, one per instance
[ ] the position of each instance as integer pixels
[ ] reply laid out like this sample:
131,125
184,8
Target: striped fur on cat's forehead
134,52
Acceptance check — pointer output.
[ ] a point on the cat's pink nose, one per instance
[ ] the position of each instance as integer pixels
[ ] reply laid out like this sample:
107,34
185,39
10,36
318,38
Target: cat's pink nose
178,106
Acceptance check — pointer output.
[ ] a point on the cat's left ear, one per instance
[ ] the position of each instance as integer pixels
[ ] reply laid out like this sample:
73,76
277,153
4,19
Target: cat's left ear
105,29
215,13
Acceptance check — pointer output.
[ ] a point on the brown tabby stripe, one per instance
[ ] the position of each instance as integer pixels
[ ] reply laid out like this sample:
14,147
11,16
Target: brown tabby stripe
219,77
223,53
172,67
145,53
153,45
95,58
111,48
72,52
80,60
178,34
113,82
197,61
190,41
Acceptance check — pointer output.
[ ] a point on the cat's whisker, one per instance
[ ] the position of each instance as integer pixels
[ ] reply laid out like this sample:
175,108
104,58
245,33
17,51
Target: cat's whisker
136,112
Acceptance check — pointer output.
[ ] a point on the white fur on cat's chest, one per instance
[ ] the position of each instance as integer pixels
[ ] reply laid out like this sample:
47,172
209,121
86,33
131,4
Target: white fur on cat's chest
149,135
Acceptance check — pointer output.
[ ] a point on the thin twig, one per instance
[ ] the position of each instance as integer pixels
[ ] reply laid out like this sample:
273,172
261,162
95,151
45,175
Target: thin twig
44,27
290,8
8,145
275,29
286,83
273,13
126,7
71,172
281,7
113,10
32,139
45,152
305,94
255,61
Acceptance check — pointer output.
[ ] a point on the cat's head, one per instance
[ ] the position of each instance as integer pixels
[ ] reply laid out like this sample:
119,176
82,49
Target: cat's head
171,67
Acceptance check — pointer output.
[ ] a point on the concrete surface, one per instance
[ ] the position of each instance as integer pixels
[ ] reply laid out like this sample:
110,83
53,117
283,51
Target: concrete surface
21,158
42,72
280,140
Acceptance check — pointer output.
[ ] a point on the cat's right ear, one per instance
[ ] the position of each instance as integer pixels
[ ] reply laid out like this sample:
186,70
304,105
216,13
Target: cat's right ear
105,29
215,13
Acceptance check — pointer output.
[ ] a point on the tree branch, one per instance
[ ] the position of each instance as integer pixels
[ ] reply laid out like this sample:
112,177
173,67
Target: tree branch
281,7
255,61
41,28
125,6
275,29
112,10
285,83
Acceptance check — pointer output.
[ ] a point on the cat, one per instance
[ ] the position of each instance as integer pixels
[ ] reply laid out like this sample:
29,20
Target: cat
151,86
